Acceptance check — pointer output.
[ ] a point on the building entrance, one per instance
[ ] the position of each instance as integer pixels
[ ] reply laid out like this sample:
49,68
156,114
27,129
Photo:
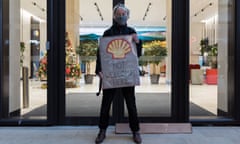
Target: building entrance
85,24
48,55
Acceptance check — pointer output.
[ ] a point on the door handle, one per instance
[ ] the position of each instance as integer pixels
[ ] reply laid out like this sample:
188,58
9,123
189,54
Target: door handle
48,45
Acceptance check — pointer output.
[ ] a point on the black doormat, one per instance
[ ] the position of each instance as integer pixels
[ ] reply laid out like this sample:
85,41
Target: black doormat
148,104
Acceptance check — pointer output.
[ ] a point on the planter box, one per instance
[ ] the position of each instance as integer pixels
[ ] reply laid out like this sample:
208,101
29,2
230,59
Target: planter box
155,78
211,76
88,79
197,76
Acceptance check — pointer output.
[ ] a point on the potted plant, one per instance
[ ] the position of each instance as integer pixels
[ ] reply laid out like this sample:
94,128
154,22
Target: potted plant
87,51
209,53
155,52
212,55
22,49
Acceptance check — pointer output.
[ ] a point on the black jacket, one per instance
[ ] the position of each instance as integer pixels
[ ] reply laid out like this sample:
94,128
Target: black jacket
115,30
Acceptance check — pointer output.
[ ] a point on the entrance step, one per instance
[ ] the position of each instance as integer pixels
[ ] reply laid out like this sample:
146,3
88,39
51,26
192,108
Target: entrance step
156,128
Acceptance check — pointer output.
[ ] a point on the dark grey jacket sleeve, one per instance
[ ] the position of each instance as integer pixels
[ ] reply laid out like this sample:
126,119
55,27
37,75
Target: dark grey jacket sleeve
139,48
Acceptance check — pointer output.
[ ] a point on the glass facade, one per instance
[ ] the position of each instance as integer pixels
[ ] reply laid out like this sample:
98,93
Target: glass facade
25,41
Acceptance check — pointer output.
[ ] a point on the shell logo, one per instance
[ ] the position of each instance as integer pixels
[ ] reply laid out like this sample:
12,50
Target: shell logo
118,48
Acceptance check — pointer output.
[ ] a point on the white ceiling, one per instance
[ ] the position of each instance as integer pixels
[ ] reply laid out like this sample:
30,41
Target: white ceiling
203,10
37,9
155,15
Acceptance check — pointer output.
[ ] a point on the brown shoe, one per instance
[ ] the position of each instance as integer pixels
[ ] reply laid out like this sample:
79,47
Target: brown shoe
101,136
137,138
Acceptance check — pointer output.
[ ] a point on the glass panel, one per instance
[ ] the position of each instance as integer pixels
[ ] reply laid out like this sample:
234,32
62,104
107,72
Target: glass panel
209,50
152,21
85,22
27,85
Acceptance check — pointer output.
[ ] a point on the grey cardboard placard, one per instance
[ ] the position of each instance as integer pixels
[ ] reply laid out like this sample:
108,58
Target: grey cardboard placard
119,61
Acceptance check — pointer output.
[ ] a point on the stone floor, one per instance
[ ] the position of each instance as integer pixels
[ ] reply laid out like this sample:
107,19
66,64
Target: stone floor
86,135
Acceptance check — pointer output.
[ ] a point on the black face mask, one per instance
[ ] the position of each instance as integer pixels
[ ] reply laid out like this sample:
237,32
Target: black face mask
121,20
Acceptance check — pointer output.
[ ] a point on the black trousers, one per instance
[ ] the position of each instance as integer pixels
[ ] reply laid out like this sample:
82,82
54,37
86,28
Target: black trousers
129,96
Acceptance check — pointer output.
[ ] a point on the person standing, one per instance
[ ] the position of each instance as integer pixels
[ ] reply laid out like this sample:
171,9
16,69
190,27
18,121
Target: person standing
119,27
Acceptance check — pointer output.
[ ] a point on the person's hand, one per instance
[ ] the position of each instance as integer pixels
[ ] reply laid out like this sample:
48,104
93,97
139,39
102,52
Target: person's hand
100,74
135,38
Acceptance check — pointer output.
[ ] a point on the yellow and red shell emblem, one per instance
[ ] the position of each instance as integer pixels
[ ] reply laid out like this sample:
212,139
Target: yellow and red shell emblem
118,48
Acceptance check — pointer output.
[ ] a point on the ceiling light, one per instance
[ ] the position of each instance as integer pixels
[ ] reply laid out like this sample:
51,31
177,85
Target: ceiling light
98,10
147,10
38,6
203,9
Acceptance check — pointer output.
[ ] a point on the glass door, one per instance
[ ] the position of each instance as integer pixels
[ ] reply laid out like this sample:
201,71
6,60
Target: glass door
158,100
85,23
211,59
24,61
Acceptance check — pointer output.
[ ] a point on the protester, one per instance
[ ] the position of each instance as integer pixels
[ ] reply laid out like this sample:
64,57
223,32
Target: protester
119,27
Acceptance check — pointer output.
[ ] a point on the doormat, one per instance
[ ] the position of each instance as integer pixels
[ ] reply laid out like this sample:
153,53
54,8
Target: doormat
148,105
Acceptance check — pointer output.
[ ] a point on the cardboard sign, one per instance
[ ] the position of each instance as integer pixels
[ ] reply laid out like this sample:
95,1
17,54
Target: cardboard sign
119,62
